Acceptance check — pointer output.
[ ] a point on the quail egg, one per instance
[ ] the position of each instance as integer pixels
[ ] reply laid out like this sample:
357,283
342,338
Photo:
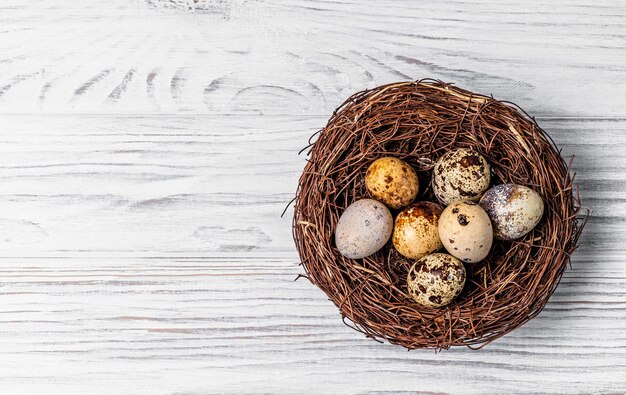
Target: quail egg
514,210
363,228
415,232
392,181
436,279
465,231
462,174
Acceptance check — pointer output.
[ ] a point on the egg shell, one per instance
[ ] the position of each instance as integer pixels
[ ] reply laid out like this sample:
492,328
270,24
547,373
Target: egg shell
462,174
465,231
415,233
514,210
363,228
436,279
392,181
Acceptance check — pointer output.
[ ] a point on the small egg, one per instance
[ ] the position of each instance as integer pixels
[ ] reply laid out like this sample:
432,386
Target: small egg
392,181
436,279
465,230
514,210
415,232
462,174
363,228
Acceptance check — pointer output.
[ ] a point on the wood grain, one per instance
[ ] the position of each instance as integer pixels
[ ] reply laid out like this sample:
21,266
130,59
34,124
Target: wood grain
195,185
233,325
148,148
268,57
152,247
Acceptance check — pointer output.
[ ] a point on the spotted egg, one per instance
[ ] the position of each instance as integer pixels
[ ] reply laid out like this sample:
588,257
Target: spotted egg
465,231
363,228
392,181
514,210
415,231
462,174
436,279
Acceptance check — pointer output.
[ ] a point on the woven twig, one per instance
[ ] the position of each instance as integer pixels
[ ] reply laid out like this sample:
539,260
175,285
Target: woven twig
418,122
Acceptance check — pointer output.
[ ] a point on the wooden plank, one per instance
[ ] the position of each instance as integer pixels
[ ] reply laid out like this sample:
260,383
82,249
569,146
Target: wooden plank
268,57
235,325
204,185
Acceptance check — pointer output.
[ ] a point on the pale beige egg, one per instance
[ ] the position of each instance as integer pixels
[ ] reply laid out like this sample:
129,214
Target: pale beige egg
436,279
392,181
462,174
363,228
514,210
415,232
465,231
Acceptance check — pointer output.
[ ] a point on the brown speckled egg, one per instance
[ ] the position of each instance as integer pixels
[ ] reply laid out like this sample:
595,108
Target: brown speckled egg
436,279
462,174
363,228
514,210
415,232
392,181
465,230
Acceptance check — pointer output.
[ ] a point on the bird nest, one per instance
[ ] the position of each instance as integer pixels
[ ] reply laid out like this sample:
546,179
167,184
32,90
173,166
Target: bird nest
418,122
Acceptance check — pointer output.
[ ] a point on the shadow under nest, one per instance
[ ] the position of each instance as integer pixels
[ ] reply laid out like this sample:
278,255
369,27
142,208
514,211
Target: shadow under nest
418,122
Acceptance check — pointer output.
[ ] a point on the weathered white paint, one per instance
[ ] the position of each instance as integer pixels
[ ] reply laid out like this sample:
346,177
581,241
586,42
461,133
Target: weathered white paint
146,154
297,57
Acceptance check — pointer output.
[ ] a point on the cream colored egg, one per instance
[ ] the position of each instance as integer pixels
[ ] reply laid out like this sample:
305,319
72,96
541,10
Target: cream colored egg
436,279
392,181
462,174
465,231
415,233
514,210
363,228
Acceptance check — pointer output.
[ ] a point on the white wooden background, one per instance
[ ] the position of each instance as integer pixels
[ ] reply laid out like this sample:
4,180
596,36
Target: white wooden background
147,149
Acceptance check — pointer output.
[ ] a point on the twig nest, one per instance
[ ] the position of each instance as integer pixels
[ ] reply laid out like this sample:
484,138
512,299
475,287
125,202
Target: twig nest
392,181
363,229
465,230
420,122
436,279
415,232
461,174
514,210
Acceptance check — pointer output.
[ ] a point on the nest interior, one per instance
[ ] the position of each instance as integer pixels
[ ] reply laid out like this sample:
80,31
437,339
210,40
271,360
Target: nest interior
418,122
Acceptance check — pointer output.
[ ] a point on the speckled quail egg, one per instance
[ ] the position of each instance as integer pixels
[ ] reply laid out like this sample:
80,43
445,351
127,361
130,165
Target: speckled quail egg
392,181
436,279
514,210
363,228
465,231
415,232
462,174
